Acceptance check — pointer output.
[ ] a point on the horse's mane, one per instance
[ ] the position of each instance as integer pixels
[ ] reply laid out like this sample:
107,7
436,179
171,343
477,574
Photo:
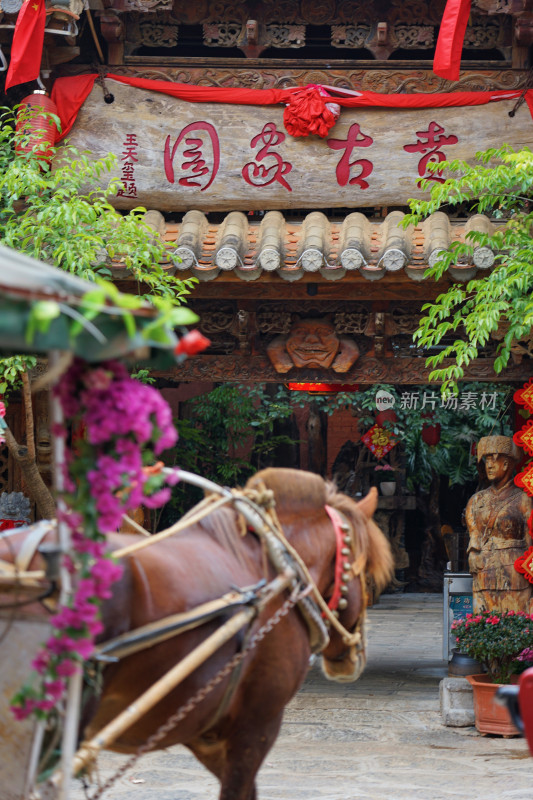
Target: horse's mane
294,489
226,527
299,491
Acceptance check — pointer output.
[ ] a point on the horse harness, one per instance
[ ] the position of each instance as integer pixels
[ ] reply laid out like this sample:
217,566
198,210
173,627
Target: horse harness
257,508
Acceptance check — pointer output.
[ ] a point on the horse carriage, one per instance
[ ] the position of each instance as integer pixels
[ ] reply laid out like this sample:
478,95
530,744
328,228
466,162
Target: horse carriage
205,636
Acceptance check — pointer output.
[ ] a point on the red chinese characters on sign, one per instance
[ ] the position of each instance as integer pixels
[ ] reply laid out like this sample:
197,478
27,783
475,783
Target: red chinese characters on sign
193,159
129,157
355,138
257,174
429,144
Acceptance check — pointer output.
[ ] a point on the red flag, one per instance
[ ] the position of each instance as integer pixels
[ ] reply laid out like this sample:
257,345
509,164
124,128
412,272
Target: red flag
27,47
447,60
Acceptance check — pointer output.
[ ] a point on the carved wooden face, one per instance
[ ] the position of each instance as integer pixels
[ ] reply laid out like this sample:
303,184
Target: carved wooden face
497,466
312,343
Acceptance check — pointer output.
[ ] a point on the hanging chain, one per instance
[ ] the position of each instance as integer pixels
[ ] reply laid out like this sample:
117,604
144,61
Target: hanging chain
202,693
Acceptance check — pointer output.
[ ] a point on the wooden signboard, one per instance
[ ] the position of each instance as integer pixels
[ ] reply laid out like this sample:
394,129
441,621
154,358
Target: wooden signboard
174,155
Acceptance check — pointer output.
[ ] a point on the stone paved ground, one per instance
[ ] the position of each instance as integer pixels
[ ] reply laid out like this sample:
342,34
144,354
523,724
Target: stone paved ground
378,739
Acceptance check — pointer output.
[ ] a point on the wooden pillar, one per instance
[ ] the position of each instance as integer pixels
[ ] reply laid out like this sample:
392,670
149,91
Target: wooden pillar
317,432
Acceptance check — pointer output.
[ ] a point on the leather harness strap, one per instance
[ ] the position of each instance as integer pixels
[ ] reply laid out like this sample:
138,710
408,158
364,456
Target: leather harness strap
339,565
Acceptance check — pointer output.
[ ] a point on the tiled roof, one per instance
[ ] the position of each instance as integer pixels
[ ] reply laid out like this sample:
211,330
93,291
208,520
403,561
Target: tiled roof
318,245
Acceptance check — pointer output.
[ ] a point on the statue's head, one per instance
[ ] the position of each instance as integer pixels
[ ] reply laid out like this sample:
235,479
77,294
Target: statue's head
500,456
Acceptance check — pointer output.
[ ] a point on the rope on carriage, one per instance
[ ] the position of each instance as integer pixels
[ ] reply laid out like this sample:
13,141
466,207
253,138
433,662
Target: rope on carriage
185,709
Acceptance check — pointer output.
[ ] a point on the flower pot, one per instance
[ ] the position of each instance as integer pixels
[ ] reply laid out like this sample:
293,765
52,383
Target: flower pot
490,717
388,488
462,665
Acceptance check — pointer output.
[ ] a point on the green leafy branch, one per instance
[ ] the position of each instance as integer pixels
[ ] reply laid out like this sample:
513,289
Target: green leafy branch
501,301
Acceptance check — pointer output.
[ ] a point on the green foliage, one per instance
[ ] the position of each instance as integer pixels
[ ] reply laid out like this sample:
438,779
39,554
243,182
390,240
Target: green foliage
503,643
11,370
460,427
143,376
234,419
52,208
230,435
500,185
61,216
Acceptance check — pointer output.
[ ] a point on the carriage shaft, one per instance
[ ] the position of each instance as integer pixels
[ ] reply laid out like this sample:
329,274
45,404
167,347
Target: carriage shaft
87,752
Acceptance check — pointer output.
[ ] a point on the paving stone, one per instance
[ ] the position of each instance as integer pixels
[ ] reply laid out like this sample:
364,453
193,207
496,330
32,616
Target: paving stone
381,738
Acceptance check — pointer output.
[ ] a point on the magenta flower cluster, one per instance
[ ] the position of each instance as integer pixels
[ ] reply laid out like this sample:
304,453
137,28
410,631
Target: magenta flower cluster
125,425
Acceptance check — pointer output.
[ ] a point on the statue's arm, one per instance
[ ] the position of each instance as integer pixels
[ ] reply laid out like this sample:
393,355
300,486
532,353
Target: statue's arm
474,543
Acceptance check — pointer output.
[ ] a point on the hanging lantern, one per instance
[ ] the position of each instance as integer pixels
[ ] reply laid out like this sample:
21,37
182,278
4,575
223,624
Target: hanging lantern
388,415
431,433
34,126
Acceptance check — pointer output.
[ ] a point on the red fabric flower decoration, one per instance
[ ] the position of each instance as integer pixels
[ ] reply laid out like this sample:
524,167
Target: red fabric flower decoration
192,343
309,112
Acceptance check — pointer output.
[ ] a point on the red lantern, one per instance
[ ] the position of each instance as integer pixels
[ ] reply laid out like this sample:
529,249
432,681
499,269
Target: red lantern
431,434
388,415
35,126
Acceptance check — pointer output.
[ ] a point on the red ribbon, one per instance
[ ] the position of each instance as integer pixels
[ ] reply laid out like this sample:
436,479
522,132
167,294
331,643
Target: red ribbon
69,94
447,59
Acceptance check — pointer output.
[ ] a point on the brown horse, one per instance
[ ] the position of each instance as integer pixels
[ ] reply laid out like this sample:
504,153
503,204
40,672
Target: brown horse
234,727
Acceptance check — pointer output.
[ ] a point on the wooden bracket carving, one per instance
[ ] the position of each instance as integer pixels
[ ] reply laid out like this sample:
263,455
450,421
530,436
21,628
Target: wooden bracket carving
379,334
243,320
112,30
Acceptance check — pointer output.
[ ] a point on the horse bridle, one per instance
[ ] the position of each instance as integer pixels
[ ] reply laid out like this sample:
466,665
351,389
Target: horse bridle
345,571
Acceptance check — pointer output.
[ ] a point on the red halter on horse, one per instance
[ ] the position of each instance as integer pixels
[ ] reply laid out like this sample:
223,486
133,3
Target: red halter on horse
236,724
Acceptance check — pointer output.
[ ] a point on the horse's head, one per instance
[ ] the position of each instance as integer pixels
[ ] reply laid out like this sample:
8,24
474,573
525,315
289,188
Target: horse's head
342,556
367,558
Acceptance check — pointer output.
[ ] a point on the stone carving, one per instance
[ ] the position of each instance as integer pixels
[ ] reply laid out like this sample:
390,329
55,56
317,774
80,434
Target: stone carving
14,506
312,343
497,521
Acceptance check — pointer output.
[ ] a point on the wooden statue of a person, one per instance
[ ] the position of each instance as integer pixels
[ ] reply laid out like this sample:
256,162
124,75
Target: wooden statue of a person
497,521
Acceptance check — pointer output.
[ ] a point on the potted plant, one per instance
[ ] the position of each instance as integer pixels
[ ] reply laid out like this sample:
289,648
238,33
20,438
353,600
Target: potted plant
503,643
387,479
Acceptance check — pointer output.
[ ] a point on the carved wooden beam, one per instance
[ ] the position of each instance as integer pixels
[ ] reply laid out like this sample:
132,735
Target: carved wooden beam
112,30
367,370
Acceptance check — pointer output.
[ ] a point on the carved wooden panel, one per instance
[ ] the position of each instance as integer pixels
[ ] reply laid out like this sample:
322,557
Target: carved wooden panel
366,370
258,75
228,26
217,156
